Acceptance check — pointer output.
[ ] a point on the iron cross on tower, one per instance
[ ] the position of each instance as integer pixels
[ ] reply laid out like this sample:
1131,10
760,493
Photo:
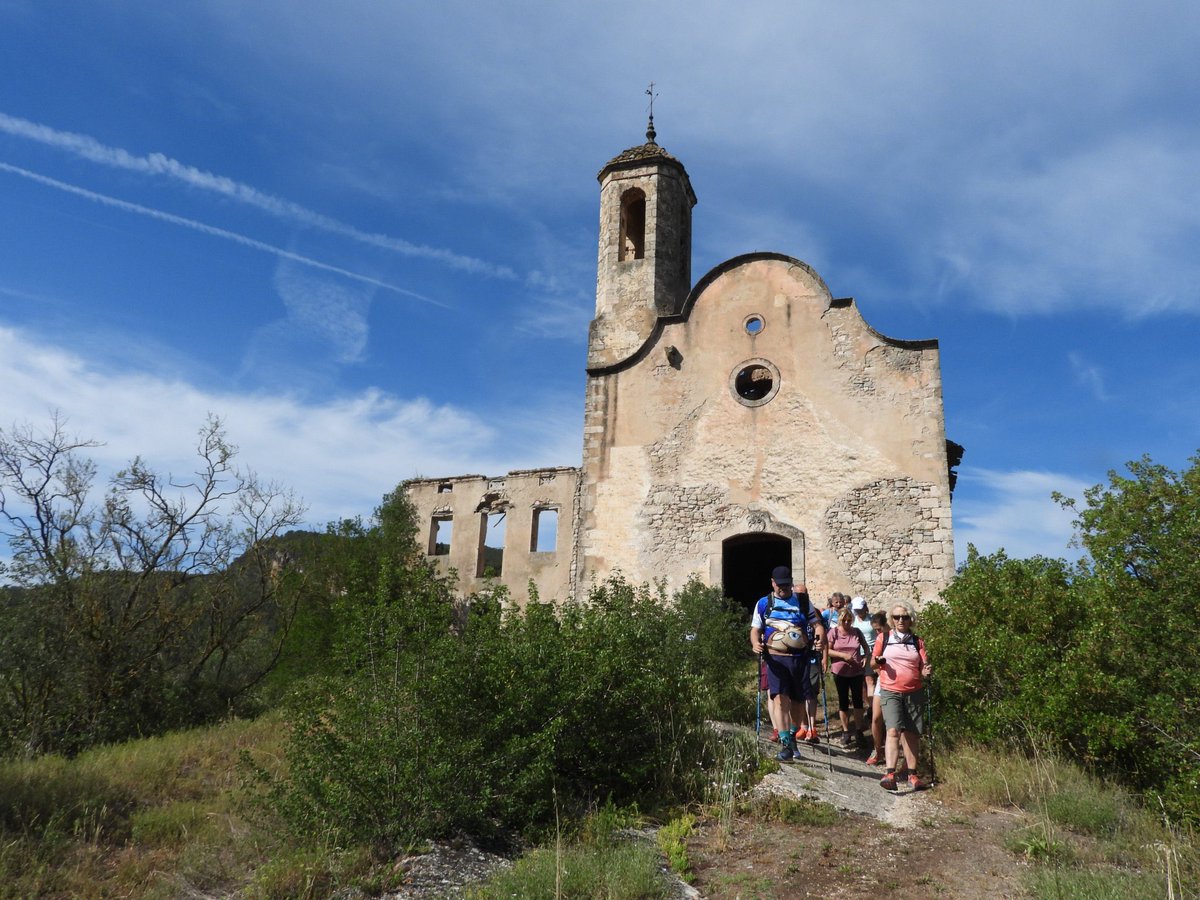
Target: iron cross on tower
651,134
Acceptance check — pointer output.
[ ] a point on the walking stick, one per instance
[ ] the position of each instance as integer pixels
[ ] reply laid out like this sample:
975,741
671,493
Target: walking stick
825,707
929,728
758,697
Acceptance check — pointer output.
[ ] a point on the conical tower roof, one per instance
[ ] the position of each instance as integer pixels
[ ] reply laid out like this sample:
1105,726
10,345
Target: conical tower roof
641,155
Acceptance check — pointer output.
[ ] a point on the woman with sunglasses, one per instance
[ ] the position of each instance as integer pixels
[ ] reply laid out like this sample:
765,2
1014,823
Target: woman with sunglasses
901,663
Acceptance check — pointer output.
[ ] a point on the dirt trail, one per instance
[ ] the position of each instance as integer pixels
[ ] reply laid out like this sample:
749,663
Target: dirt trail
907,844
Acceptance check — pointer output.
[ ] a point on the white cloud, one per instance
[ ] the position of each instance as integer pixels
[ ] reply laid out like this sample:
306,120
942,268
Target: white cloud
1013,511
341,455
1088,374
1111,225
324,327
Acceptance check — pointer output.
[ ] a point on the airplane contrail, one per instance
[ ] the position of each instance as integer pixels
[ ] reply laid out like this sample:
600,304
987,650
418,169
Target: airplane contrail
157,164
212,230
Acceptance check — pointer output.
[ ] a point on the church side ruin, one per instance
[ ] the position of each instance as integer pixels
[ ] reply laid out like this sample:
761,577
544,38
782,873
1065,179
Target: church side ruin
746,421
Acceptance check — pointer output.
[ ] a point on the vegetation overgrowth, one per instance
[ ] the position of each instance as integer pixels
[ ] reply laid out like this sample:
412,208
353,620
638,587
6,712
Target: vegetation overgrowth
403,714
160,604
496,720
168,816
1095,657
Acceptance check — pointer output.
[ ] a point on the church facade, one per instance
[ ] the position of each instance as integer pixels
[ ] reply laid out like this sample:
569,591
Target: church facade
748,420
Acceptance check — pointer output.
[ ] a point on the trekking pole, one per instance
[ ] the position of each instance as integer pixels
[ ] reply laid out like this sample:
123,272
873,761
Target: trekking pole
758,697
825,707
929,728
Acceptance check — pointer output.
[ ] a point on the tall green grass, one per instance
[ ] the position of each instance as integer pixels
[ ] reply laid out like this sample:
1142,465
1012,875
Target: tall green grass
1087,838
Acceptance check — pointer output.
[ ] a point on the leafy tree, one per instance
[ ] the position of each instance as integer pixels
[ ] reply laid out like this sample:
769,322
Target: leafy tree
1004,641
1099,657
344,561
1142,532
160,604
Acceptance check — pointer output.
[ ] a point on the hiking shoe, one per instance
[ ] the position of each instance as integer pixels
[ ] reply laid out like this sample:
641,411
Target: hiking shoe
812,737
916,783
774,738
785,754
888,781
874,760
847,740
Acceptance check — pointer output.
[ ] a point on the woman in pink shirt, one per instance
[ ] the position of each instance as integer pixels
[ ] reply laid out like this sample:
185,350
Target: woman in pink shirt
901,663
848,662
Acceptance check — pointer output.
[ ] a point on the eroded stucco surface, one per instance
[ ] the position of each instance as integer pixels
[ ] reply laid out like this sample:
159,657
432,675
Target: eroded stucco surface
675,460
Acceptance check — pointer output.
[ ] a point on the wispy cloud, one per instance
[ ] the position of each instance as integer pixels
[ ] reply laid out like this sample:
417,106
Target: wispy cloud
159,165
325,326
212,230
1088,374
1013,511
341,454
1109,225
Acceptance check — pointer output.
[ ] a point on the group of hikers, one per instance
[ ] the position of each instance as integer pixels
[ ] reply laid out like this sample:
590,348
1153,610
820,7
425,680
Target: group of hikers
878,665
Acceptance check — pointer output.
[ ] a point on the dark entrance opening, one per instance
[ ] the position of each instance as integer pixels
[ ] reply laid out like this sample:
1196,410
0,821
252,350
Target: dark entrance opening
746,564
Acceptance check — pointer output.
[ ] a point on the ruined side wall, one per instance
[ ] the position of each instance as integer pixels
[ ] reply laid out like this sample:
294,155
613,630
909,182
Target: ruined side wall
467,499
847,457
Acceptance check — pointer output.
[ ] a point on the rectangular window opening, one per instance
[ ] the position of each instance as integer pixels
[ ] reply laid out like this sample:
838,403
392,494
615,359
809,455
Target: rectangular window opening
439,535
491,545
544,538
445,487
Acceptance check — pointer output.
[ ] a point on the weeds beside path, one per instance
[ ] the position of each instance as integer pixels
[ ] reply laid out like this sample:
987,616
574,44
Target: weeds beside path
823,825
999,827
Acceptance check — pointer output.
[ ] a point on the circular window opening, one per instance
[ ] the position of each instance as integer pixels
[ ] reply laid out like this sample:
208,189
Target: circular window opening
754,324
754,382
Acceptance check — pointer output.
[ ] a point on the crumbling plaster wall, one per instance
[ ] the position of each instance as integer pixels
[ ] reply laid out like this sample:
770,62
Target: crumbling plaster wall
850,452
519,495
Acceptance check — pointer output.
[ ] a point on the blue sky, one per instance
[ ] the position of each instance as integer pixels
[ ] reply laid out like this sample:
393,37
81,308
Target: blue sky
364,233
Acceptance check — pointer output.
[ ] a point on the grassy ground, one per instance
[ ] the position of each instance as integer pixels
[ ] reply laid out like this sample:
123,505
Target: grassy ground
168,817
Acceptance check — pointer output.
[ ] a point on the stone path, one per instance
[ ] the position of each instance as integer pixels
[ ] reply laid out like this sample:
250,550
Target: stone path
841,778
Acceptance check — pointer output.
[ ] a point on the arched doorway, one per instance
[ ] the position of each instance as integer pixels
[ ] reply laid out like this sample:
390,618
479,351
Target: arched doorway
746,564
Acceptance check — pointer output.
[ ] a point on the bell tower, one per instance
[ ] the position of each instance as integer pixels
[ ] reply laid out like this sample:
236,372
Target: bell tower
644,265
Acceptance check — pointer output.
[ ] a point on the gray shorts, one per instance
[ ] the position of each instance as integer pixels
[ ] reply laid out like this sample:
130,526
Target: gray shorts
904,712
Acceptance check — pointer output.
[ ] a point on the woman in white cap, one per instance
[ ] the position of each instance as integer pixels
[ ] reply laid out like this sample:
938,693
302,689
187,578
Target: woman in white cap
862,621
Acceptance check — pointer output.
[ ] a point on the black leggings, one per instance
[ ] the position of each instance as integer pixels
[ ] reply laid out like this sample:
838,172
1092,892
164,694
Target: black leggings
849,688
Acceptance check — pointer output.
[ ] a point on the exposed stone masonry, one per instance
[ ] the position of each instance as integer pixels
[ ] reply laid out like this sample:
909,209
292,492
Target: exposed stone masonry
893,536
679,519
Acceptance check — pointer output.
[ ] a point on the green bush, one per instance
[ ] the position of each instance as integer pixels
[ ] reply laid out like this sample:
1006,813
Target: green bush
505,719
1097,656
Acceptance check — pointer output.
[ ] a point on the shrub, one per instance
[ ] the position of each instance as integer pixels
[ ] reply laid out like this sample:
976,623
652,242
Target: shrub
1097,656
506,719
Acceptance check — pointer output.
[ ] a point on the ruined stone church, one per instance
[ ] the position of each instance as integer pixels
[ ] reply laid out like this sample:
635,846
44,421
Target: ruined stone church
747,420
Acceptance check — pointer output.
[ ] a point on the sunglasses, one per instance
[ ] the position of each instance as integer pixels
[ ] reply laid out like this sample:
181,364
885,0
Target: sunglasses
902,616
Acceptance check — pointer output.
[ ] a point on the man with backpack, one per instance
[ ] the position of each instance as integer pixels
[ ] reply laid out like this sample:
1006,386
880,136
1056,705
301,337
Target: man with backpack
784,631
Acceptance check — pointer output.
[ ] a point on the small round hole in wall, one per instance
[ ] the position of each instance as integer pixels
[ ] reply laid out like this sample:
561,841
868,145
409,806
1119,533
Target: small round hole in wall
753,325
754,382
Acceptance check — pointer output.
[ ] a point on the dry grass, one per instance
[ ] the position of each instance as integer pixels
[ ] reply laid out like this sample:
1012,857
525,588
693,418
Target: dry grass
153,817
